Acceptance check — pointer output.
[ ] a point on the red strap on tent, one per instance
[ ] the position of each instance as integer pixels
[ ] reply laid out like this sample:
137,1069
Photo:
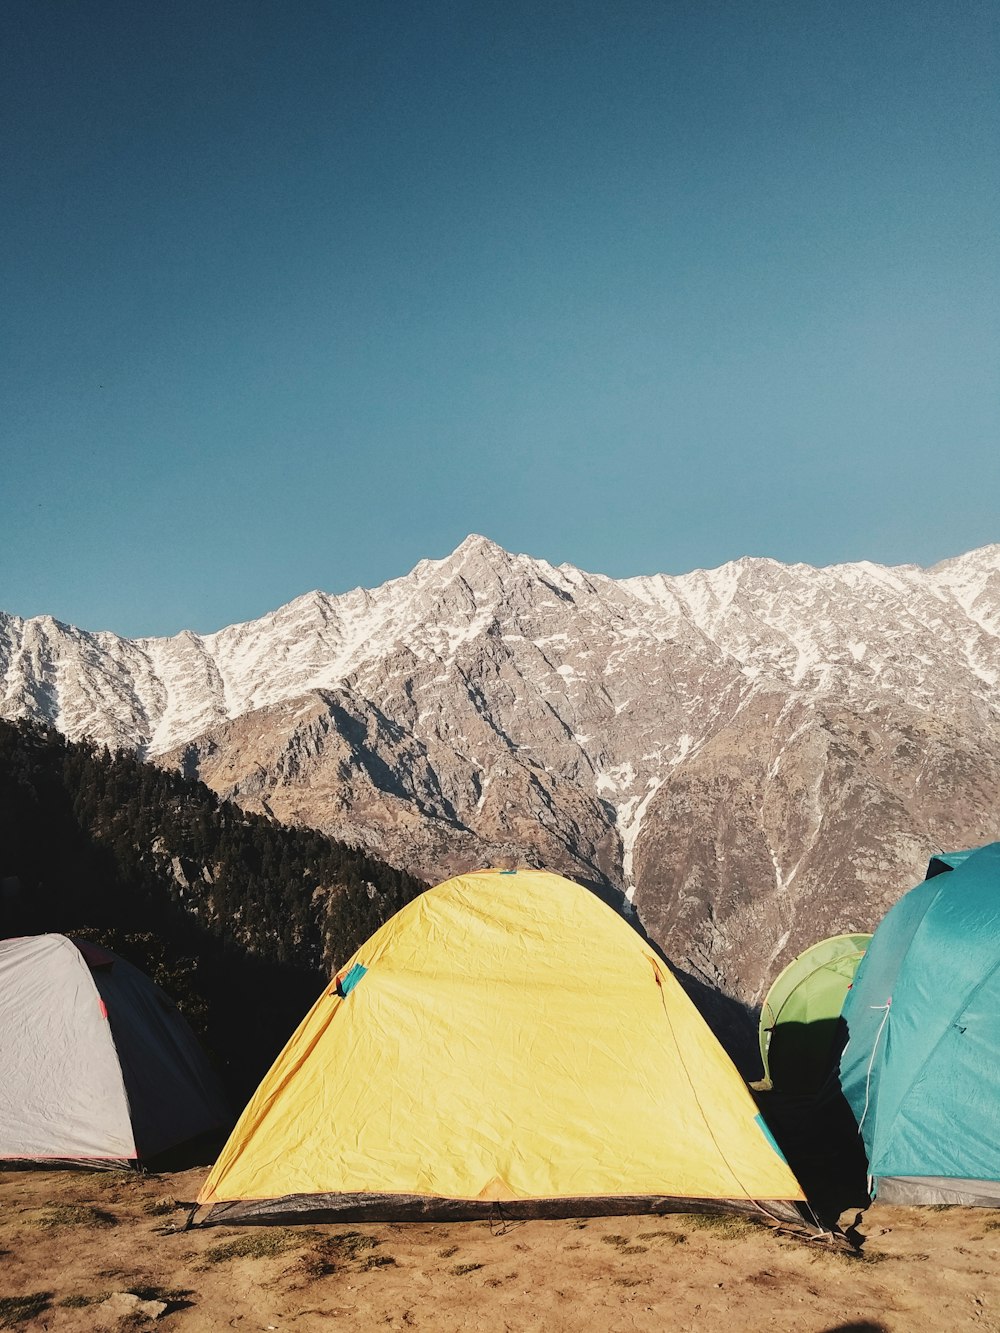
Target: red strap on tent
104,1008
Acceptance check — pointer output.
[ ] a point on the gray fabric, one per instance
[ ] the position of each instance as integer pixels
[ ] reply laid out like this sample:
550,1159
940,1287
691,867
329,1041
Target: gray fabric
61,1091
938,1189
415,1207
173,1094
97,1064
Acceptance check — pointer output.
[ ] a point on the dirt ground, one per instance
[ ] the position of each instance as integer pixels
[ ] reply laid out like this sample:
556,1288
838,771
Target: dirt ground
93,1251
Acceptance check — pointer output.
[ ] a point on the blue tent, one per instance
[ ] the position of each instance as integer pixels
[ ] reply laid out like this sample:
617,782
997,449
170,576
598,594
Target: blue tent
921,1068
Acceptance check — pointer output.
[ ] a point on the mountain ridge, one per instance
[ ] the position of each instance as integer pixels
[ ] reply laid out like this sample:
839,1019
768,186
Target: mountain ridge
490,706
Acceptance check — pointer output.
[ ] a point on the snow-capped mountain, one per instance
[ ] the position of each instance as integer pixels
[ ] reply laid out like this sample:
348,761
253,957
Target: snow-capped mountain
760,754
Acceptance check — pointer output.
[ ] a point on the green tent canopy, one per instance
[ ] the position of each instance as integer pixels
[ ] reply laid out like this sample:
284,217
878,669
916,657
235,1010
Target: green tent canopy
800,1013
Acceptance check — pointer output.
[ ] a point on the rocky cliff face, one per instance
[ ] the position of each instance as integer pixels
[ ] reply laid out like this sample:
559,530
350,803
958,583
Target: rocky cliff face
759,754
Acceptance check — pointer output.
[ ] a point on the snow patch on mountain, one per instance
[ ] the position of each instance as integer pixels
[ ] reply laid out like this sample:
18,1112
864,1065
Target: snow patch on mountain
458,710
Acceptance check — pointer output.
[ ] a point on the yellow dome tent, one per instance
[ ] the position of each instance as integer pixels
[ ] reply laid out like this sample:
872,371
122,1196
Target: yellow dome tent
506,1039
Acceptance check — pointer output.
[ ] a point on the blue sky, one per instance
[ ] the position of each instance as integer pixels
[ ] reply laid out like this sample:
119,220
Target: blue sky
296,294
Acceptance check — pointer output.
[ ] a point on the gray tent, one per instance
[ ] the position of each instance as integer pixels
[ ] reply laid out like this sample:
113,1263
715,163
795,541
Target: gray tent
97,1064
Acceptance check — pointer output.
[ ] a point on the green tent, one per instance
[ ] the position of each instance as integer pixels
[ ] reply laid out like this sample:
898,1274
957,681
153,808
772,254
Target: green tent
800,1014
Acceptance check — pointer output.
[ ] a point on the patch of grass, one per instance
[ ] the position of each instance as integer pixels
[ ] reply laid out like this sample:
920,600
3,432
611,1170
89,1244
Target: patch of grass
159,1207
447,1253
728,1226
626,1246
135,1319
317,1266
992,1225
378,1261
262,1244
333,1252
349,1244
16,1310
171,1295
629,1281
109,1180
81,1302
461,1269
74,1215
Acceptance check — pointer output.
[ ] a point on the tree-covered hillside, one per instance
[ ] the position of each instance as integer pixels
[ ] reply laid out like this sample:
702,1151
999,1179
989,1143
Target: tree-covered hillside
239,918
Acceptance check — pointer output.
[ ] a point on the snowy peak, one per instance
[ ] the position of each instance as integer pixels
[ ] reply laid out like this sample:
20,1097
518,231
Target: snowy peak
723,744
856,627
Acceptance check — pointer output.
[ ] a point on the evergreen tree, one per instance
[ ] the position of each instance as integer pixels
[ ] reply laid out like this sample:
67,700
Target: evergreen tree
232,913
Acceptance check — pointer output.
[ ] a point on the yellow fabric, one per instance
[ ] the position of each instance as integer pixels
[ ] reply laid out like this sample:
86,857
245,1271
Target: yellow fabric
512,1038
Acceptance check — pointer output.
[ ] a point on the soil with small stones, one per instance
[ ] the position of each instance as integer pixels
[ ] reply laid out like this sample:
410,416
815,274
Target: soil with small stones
72,1243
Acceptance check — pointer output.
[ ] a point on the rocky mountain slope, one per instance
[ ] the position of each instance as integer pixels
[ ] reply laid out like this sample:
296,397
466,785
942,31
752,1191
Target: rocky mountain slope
758,754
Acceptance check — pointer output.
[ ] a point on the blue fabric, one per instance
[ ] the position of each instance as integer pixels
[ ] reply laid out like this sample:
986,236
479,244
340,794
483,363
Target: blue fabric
769,1136
351,978
946,861
921,1068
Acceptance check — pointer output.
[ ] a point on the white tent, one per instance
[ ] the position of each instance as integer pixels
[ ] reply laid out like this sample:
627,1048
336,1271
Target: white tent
97,1064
